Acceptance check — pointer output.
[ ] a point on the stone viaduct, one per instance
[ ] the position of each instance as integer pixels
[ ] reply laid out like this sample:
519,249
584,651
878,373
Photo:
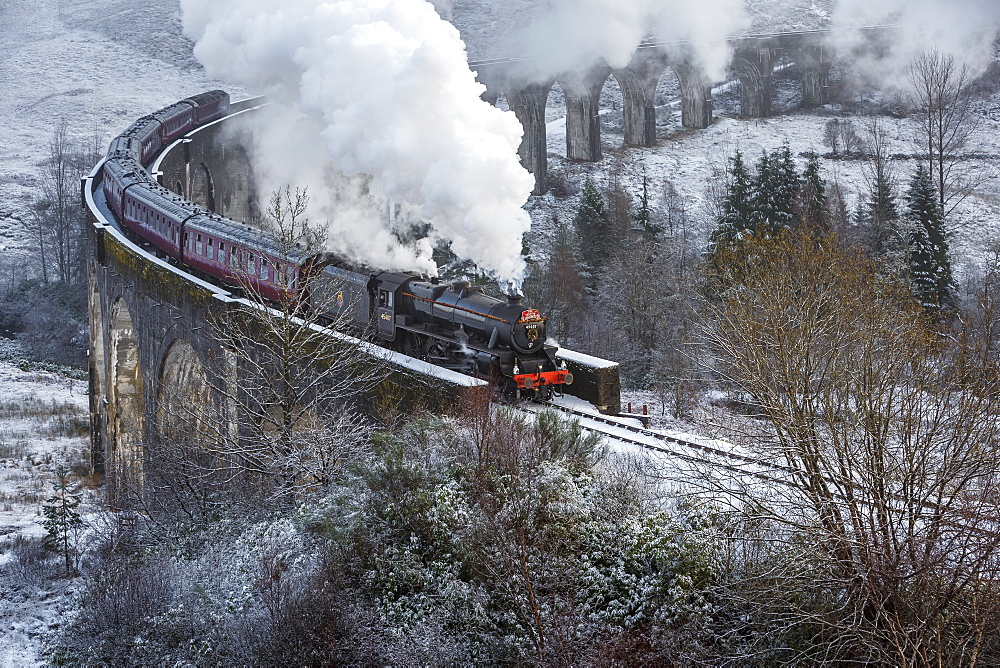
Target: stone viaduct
151,336
153,349
754,60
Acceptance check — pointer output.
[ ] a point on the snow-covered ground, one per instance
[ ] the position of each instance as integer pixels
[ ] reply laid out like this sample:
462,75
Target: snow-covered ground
43,427
97,65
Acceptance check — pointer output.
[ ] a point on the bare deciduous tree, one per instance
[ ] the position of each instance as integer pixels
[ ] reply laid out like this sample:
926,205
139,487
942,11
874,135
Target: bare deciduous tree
840,137
57,222
891,452
286,412
942,92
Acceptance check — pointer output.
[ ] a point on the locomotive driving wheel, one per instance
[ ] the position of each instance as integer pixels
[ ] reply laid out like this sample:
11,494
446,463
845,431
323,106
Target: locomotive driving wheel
436,352
410,345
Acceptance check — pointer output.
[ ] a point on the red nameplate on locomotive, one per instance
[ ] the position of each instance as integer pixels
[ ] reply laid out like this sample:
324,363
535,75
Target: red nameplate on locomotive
531,315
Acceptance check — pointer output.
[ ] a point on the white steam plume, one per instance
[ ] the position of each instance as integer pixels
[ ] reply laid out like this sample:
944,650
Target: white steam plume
385,86
964,29
576,33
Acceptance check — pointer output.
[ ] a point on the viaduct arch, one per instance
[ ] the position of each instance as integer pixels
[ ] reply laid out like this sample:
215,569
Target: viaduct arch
754,60
154,356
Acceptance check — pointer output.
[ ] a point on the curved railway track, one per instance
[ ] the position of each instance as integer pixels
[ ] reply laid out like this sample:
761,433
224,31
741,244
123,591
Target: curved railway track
621,431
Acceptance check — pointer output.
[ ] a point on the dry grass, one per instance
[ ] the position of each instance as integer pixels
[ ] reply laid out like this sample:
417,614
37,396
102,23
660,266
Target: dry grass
13,447
33,407
24,465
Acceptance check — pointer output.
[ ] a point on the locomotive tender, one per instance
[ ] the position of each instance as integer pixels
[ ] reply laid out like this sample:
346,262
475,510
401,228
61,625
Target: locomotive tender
452,325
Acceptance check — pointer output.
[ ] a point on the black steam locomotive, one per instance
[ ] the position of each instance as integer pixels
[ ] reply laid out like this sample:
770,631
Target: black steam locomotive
452,325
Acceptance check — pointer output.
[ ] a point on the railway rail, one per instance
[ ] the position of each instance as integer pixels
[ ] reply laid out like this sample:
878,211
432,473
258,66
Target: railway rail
620,430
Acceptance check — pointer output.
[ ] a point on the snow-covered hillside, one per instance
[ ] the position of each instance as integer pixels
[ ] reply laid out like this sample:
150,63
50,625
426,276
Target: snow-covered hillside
98,65
43,427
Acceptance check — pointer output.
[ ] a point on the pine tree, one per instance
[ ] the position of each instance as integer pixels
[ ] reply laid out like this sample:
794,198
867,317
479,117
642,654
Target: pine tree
930,268
593,228
643,216
62,519
812,205
526,249
562,286
877,214
880,216
776,187
736,220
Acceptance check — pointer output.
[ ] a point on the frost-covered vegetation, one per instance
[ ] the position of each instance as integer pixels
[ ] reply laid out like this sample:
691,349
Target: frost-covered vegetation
481,539
43,429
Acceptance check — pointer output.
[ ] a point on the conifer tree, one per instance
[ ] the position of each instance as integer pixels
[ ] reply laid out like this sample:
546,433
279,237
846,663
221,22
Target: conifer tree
62,519
877,214
593,228
880,216
930,268
775,187
812,206
736,220
643,216
561,291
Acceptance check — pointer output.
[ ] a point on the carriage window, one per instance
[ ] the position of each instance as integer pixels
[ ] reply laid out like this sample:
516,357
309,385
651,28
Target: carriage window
198,247
250,263
263,268
222,252
211,250
186,244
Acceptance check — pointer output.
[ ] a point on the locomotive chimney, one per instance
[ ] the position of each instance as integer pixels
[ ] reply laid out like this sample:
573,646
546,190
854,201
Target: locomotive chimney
514,300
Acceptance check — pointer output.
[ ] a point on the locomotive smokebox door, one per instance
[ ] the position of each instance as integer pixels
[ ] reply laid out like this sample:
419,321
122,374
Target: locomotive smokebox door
385,314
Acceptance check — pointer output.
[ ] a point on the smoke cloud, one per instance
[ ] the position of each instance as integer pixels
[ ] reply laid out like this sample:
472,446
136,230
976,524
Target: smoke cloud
380,101
581,32
964,29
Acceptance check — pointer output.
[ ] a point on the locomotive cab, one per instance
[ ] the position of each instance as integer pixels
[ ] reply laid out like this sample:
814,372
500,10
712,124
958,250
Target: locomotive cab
384,291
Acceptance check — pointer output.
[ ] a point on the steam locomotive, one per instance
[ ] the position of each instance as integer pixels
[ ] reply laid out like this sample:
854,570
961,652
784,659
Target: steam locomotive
453,325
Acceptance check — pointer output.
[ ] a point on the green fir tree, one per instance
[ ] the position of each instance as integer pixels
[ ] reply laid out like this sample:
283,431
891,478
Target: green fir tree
736,219
879,217
775,189
643,216
930,267
561,290
812,197
62,519
592,224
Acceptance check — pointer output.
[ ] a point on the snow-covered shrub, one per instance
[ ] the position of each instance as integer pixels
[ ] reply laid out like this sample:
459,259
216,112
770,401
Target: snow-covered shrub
515,542
24,561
